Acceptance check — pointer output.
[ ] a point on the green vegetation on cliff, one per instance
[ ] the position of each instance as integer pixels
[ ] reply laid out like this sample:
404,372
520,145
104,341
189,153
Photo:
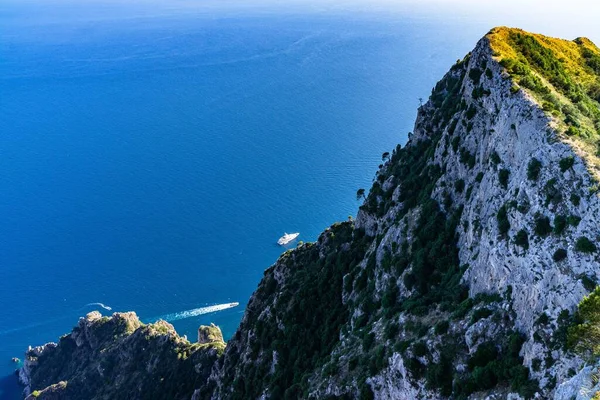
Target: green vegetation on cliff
584,334
118,357
310,315
563,76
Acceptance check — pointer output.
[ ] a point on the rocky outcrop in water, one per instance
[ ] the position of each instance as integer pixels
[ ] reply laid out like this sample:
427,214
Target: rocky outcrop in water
118,357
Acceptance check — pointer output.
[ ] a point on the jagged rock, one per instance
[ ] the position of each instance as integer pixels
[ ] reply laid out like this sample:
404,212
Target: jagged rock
118,357
209,334
582,386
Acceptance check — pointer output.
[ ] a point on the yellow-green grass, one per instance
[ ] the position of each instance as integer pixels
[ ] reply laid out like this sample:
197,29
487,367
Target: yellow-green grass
563,76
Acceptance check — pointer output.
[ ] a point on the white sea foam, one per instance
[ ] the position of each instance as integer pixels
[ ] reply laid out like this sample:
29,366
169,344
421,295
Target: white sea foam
196,311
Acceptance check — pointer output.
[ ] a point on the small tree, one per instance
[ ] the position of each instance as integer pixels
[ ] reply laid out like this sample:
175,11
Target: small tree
385,156
533,169
584,336
566,163
360,194
585,245
522,239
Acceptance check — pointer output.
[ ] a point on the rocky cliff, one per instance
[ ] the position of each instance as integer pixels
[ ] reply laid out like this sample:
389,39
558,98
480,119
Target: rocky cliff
118,357
461,274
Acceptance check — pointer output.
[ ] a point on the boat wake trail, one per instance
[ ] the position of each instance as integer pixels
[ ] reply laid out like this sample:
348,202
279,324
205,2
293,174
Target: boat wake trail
98,304
195,312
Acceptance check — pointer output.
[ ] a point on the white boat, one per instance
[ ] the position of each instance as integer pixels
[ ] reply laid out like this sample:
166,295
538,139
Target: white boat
287,237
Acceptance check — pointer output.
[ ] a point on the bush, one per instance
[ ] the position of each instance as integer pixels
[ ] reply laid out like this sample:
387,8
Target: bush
542,226
471,112
503,222
503,175
584,335
492,364
475,75
522,239
588,283
566,163
575,199
553,194
459,185
560,223
420,349
533,169
366,393
441,327
391,330
573,220
485,353
455,143
559,255
467,158
495,158
368,340
585,245
543,319
479,177
480,313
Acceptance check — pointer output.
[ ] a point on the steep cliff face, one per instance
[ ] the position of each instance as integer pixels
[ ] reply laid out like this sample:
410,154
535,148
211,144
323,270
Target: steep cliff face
118,357
479,241
459,277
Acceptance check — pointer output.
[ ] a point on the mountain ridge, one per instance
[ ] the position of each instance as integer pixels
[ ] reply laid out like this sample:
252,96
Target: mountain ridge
464,267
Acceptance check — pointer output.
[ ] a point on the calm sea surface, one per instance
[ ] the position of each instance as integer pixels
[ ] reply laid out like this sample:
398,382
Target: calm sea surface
150,161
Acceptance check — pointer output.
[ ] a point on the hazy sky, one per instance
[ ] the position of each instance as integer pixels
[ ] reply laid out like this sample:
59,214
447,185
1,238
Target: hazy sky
566,19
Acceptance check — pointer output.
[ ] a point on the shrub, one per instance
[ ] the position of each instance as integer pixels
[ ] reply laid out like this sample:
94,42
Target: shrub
503,222
471,111
353,363
479,177
441,327
559,255
480,313
584,335
584,245
560,223
542,226
503,175
495,158
573,220
475,75
522,239
533,169
566,163
459,185
485,353
575,199
368,339
467,158
455,143
553,194
366,393
420,349
588,283
543,319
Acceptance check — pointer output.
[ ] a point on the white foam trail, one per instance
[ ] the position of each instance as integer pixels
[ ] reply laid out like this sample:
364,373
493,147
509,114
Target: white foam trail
99,304
196,311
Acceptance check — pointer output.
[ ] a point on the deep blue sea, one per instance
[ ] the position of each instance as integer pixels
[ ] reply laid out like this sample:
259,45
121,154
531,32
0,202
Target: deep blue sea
149,161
